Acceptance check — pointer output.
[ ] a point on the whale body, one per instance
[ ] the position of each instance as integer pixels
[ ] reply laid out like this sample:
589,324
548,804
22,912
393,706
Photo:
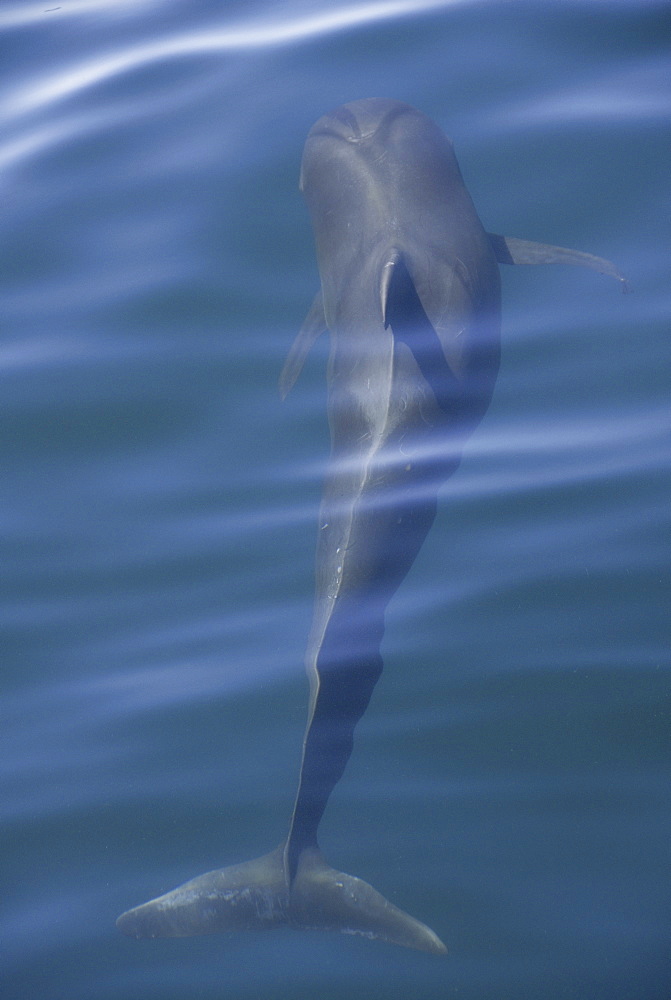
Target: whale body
410,296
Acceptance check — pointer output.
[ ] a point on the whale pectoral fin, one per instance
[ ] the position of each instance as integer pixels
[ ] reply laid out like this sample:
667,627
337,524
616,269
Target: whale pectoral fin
313,327
249,896
325,899
509,250
387,274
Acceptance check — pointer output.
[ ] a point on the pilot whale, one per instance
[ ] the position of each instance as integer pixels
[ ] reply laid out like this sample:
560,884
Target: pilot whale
410,295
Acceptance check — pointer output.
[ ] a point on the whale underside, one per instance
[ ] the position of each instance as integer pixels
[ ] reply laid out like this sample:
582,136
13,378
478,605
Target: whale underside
410,297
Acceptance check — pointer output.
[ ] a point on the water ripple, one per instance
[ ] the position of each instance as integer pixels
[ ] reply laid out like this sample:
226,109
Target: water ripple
24,14
637,93
243,37
161,506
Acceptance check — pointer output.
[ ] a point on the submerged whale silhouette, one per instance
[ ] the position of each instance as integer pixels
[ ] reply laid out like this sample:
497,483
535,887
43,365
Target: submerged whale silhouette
410,294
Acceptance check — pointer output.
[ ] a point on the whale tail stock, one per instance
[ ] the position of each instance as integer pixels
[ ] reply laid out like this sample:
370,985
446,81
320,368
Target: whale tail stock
257,895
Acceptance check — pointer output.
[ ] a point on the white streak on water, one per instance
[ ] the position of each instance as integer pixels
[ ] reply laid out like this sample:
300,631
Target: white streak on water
637,93
22,14
252,35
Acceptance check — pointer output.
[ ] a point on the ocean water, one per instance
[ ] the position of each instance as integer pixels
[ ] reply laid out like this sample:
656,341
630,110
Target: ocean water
510,782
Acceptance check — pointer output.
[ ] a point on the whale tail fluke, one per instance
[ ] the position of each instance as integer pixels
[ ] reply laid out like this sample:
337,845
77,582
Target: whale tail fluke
325,899
255,895
249,896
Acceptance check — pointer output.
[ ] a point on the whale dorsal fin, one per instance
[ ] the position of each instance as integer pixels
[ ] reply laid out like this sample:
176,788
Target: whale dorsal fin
509,250
313,326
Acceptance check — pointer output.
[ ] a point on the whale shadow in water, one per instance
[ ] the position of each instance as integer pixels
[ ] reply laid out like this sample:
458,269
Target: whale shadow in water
410,295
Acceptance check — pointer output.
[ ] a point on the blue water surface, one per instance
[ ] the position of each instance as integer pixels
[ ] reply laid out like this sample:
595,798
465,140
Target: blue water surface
510,781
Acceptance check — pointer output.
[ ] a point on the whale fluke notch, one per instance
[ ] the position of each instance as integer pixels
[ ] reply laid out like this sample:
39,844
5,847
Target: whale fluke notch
255,895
